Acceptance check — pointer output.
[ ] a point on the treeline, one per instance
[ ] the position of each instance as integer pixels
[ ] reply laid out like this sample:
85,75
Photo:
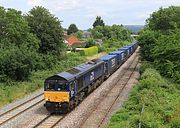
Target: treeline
160,42
113,37
33,41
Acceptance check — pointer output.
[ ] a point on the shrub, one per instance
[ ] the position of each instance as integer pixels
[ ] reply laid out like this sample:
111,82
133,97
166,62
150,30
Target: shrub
89,51
160,99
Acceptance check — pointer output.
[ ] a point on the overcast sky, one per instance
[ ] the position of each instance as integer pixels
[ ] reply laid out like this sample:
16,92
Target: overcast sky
84,12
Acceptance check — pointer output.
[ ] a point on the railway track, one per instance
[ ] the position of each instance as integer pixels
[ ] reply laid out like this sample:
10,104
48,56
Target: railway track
99,115
14,112
49,122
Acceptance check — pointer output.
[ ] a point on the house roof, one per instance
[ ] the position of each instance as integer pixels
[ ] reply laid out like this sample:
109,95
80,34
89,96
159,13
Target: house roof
72,40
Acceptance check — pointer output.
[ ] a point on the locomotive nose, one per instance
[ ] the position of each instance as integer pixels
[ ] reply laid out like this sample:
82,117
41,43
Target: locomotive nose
56,96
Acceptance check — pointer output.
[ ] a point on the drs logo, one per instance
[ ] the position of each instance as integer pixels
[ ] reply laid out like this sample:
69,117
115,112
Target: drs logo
113,61
122,56
92,76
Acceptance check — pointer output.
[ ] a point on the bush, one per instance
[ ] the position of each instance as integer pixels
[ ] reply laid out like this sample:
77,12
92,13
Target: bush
16,64
160,99
89,51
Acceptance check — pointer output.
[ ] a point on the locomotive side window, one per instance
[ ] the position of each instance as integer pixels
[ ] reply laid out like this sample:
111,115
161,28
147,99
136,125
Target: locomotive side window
71,86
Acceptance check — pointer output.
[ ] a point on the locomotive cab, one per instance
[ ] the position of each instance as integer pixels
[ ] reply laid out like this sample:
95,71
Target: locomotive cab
57,94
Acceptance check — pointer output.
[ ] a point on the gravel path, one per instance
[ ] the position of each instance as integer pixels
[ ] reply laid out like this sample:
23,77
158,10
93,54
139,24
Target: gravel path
81,112
25,114
20,101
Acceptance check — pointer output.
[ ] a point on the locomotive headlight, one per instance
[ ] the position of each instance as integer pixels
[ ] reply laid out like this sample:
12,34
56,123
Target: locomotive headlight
46,99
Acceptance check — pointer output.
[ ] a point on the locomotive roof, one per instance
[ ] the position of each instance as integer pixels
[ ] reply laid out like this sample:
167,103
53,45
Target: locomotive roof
77,71
107,57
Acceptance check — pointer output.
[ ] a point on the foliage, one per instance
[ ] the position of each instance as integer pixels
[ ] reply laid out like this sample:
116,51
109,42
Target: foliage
165,19
112,45
90,42
113,37
15,30
98,22
16,63
79,34
160,43
48,29
111,32
166,54
72,29
17,46
89,51
147,40
154,102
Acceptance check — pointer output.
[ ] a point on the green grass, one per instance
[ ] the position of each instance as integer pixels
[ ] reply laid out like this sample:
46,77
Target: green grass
159,100
14,90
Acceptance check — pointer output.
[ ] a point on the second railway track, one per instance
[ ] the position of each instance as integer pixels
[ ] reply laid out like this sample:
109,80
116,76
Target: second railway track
49,122
14,112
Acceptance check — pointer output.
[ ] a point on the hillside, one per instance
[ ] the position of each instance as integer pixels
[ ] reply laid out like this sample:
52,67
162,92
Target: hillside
134,28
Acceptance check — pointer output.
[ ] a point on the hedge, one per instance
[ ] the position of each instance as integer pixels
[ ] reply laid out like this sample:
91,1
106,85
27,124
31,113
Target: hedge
89,51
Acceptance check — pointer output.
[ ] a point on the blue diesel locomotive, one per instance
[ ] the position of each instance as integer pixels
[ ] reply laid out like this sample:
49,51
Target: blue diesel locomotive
62,92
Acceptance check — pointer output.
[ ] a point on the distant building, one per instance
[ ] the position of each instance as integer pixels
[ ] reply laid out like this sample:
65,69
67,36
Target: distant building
86,35
134,36
99,42
72,40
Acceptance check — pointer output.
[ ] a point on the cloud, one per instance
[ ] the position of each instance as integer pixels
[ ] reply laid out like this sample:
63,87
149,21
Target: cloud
83,12
34,2
67,5
92,12
56,5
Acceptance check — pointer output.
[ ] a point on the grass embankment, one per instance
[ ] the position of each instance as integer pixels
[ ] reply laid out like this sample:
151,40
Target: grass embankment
153,103
15,90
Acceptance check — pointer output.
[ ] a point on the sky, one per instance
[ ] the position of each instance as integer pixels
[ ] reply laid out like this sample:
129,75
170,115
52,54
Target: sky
83,12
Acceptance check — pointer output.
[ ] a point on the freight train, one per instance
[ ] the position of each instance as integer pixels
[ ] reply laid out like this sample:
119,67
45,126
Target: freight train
64,91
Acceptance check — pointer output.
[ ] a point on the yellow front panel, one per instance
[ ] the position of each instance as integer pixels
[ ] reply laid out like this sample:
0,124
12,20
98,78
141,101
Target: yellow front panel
56,96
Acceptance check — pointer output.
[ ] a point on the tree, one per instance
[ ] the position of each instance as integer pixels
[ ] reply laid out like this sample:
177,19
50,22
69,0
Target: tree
115,32
98,22
48,29
79,34
72,29
160,43
89,43
17,46
165,19
14,29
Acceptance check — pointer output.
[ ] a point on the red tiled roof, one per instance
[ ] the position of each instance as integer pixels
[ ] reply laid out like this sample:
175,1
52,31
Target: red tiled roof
72,40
